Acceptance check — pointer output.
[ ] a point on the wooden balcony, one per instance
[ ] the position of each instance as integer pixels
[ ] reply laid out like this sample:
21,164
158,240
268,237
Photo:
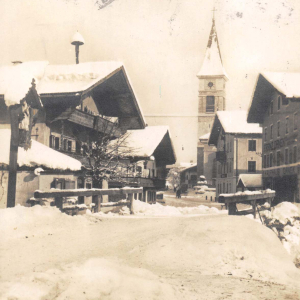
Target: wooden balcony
94,122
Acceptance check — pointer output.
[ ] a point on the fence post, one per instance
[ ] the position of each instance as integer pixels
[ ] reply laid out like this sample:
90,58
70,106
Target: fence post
130,198
254,208
231,208
95,199
59,202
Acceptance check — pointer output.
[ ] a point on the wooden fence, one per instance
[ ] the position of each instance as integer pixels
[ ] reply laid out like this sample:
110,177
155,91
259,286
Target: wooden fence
252,199
96,194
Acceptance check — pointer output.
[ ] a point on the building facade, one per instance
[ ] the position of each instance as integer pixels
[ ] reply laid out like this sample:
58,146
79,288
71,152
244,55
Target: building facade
211,98
238,149
276,106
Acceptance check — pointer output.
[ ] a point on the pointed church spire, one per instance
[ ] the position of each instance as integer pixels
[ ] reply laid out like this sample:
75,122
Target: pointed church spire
212,64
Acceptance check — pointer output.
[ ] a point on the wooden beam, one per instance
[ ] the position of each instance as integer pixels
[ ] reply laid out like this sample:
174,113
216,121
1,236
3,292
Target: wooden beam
86,192
245,198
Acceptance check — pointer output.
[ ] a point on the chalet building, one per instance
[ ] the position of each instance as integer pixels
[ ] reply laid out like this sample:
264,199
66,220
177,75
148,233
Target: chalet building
152,151
188,175
211,98
238,149
79,102
35,171
276,107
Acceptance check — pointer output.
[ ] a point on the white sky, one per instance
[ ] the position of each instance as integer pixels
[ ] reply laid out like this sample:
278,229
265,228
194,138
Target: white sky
162,44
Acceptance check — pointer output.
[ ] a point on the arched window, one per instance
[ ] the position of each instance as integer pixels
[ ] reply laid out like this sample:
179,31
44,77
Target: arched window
210,103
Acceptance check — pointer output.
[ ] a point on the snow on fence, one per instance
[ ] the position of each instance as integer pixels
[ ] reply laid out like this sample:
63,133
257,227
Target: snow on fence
96,194
248,197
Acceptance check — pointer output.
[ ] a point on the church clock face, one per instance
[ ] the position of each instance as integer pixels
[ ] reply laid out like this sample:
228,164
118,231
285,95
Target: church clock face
210,84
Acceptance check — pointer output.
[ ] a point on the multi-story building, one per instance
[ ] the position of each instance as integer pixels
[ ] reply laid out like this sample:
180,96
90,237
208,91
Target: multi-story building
211,98
276,107
238,149
78,103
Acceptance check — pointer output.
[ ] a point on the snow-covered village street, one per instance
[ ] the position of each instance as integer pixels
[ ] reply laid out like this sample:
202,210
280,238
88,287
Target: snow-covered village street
150,150
158,253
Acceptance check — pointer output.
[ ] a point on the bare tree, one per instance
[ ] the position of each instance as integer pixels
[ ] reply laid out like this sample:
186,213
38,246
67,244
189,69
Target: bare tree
108,155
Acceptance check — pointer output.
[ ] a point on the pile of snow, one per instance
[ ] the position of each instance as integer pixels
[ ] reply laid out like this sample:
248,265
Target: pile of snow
27,222
142,208
284,220
96,278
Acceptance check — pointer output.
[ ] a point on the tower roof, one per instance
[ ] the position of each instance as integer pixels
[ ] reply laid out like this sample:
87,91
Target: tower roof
212,64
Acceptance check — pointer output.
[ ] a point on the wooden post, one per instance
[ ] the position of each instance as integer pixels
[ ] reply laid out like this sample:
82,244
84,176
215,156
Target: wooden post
253,203
231,208
95,199
13,155
130,198
59,202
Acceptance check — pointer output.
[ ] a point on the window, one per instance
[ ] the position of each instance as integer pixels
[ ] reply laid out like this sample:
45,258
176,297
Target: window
229,187
286,156
271,108
69,184
251,145
52,141
210,103
271,132
223,187
291,156
295,154
278,158
271,160
56,142
194,177
251,166
286,125
278,102
278,128
69,146
295,121
266,133
78,147
265,161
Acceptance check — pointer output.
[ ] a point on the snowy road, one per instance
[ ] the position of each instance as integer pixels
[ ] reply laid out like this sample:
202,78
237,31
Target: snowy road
202,257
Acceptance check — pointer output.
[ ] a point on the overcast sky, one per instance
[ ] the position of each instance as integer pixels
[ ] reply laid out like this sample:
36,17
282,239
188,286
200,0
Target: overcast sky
162,44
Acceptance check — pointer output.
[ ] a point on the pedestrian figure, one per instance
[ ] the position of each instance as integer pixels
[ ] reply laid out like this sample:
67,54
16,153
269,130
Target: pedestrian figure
178,192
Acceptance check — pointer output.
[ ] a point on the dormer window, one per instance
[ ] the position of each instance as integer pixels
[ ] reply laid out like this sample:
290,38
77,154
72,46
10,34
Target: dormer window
210,103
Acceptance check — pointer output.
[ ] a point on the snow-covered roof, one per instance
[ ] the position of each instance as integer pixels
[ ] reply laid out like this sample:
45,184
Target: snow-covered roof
76,77
232,122
150,141
250,180
205,136
285,83
15,80
235,121
189,167
144,142
37,155
212,64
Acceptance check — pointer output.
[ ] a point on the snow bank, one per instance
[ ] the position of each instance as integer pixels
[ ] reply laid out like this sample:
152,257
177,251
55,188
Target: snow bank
96,278
26,222
142,208
284,220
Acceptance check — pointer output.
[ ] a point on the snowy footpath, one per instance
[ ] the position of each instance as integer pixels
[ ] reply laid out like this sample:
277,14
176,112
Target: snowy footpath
158,253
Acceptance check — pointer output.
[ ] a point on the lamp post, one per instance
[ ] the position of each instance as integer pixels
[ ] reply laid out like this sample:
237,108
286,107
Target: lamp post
77,41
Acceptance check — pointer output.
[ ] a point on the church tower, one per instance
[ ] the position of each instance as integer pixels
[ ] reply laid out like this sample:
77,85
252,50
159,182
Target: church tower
211,98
